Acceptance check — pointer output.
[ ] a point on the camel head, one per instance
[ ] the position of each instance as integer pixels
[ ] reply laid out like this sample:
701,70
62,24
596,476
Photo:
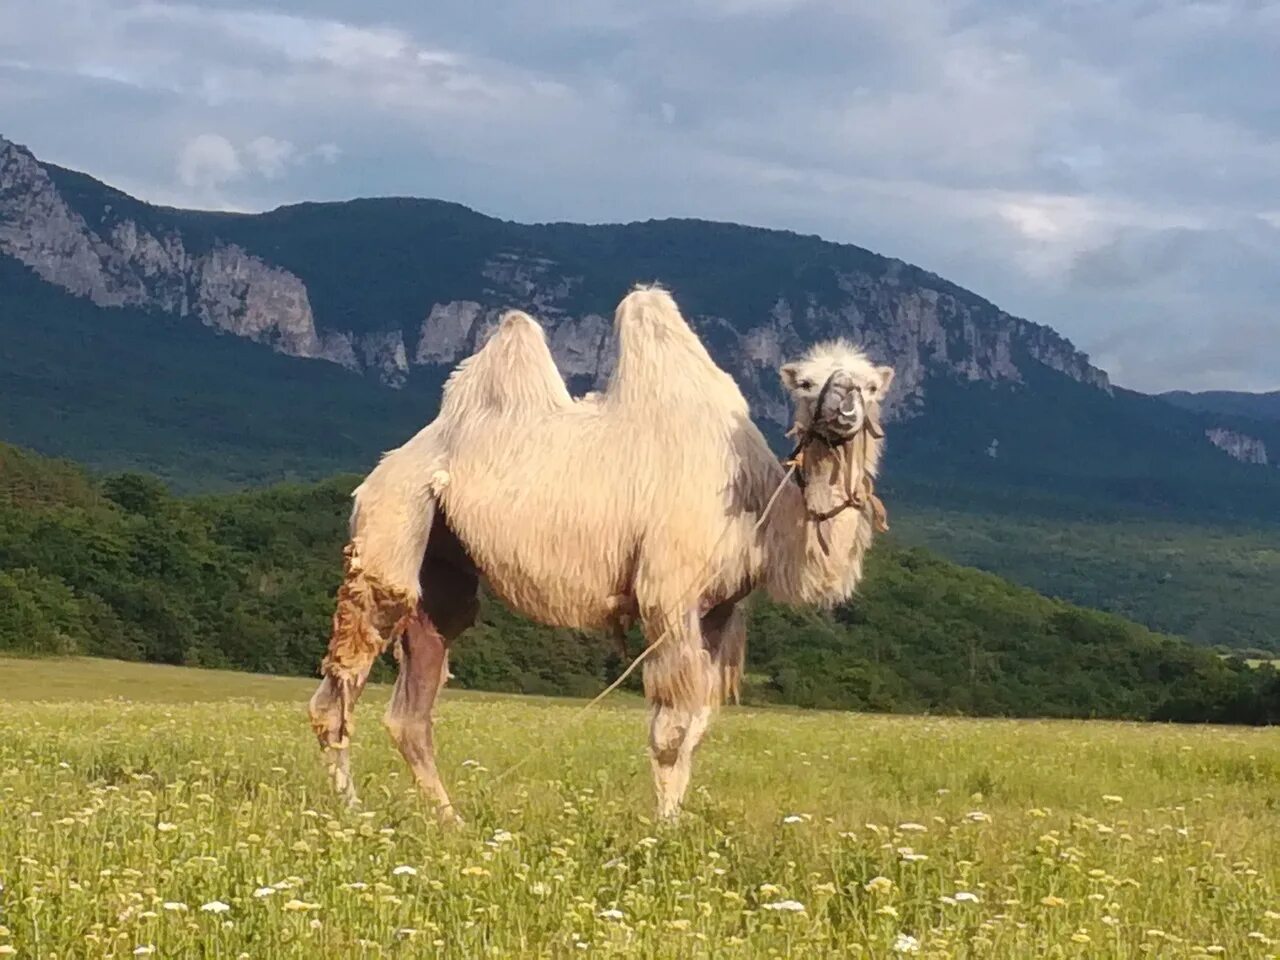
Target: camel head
836,391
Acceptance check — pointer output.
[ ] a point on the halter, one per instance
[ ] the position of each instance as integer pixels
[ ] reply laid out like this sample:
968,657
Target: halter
860,493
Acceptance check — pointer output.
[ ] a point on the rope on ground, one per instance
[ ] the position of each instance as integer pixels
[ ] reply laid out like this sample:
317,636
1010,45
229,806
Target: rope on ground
701,585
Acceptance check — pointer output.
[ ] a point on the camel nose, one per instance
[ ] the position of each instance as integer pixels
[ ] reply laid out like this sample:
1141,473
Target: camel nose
842,409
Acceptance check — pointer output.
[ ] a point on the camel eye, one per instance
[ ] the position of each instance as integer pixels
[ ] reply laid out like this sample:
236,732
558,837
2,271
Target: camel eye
805,384
872,388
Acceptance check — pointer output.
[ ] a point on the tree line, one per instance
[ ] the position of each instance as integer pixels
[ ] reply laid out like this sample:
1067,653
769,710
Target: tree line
119,567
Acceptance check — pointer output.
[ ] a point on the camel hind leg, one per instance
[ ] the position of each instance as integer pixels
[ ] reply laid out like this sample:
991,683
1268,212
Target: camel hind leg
333,700
449,606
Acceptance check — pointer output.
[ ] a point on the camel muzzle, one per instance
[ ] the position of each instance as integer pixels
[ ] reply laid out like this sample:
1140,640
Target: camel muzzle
840,410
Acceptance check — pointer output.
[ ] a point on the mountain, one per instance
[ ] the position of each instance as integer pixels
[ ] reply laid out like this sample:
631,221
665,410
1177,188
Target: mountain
1252,406
1245,425
220,350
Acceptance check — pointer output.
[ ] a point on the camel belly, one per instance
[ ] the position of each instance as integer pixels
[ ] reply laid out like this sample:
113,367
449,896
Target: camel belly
546,568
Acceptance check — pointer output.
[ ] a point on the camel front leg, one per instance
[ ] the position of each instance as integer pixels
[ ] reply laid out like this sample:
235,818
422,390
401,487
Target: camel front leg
676,731
677,683
424,669
330,709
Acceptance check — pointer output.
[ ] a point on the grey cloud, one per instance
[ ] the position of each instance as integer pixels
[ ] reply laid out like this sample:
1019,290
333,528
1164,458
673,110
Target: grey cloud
1099,167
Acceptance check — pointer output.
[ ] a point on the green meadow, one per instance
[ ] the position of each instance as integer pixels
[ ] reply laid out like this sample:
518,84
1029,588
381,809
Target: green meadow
174,812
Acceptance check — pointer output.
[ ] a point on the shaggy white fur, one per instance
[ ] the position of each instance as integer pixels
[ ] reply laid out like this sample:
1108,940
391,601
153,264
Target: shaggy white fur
652,489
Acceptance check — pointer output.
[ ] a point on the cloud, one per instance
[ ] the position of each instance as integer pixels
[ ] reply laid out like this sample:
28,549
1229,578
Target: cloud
1109,169
207,161
270,156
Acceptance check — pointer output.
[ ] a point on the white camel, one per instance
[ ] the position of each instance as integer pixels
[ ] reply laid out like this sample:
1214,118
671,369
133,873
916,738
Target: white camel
644,500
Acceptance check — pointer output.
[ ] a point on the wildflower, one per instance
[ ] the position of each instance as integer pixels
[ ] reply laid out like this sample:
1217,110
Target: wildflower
769,889
166,827
174,906
878,885
1079,937
1052,901
793,818
913,828
215,906
539,889
404,870
887,911
502,836
949,901
354,885
471,763
407,933
977,816
827,888
300,906
144,950
264,892
1215,948
1111,798
964,896
474,871
788,906
647,842
680,924
905,943
610,914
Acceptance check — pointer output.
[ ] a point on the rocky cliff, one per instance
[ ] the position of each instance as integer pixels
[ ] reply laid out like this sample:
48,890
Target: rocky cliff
270,280
1242,447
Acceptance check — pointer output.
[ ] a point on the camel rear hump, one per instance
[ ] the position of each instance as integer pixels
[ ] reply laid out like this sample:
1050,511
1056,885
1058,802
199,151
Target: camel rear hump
513,374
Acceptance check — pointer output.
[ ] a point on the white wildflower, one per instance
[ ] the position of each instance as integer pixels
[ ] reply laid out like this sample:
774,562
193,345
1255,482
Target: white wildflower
610,914
144,950
215,906
793,818
964,896
912,827
788,906
404,870
905,943
175,906
264,892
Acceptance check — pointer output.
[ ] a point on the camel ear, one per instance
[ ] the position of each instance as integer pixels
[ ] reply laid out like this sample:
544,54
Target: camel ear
886,378
790,375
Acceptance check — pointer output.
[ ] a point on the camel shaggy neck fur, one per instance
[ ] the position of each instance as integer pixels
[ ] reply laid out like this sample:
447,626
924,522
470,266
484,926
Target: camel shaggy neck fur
647,500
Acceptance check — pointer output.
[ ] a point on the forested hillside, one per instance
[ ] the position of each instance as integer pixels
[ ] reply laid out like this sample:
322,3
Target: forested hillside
119,567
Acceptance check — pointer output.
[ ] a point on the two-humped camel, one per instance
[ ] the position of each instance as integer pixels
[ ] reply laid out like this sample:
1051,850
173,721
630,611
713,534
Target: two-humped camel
646,498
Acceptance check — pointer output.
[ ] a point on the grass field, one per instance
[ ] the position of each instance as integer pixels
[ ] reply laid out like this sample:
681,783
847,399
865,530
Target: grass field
152,811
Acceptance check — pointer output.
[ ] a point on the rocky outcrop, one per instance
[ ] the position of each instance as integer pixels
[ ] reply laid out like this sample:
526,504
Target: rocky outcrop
118,252
121,263
1242,447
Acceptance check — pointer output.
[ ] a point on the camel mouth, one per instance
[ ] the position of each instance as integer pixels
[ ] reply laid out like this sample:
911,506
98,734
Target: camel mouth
840,410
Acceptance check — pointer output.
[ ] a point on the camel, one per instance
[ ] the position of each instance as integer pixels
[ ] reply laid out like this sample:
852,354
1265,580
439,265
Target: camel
656,499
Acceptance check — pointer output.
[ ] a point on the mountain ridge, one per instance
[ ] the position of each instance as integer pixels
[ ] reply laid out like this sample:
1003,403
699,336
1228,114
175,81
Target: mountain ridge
198,362
275,278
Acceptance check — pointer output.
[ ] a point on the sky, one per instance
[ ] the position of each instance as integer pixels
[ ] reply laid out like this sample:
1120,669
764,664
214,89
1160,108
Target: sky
1107,167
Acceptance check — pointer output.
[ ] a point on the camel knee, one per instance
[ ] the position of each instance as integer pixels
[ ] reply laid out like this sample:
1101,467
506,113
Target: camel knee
324,709
667,733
